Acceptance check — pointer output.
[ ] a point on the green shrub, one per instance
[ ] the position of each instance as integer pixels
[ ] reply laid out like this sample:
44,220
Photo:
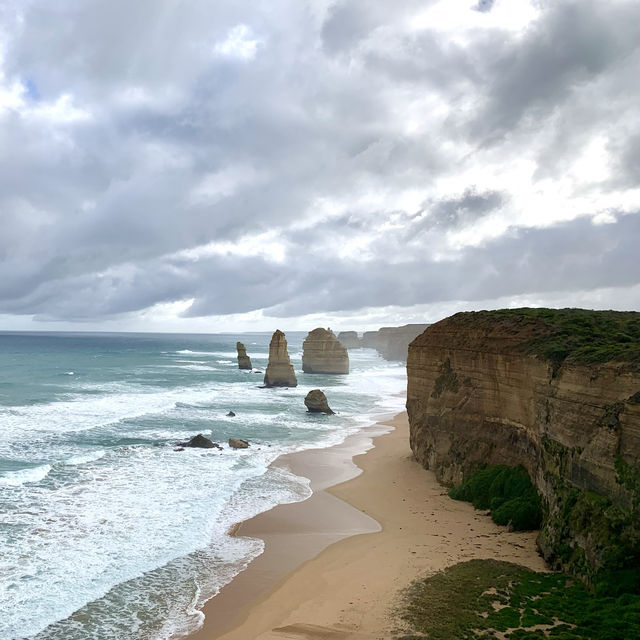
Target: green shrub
507,491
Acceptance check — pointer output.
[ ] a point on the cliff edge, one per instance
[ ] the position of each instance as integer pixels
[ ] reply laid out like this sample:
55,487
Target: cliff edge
557,391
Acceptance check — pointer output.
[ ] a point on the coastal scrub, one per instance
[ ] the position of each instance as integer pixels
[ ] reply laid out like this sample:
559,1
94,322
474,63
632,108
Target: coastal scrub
481,598
507,492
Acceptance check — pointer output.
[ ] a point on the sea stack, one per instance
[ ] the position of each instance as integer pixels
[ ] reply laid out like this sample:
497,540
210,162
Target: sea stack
244,361
279,370
316,402
323,353
349,339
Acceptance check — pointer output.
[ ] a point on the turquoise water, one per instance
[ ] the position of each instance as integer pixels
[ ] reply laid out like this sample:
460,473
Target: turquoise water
105,530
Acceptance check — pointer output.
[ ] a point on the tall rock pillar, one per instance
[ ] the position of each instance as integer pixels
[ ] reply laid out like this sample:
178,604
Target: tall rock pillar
279,370
244,361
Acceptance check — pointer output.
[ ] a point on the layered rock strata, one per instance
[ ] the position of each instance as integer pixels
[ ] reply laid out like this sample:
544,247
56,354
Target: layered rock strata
244,361
316,402
474,398
323,353
279,371
349,339
393,342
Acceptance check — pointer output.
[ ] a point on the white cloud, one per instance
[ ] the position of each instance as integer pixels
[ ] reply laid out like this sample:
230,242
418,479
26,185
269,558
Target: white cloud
239,43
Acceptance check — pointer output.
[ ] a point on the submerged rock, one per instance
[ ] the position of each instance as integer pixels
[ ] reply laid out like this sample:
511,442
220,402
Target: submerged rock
279,370
244,361
237,443
323,353
199,442
316,402
231,414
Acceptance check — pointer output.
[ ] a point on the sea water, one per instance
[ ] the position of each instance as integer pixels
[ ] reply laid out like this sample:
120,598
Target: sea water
106,531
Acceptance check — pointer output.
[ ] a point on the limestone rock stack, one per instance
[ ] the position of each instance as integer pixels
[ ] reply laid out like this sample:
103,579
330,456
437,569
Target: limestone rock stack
370,339
323,353
279,370
244,361
349,339
316,402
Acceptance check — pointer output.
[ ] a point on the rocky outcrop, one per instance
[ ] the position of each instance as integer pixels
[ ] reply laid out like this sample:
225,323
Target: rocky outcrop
393,342
279,371
323,353
200,442
349,339
316,402
369,339
477,394
244,361
237,443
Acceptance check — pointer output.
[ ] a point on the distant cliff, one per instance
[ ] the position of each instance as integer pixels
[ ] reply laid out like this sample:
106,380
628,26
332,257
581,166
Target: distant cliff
557,391
393,342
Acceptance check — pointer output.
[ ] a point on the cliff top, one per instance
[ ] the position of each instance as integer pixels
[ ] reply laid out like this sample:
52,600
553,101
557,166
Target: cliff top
580,336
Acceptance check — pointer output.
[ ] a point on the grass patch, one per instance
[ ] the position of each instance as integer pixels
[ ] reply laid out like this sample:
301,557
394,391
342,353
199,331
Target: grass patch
507,491
574,335
475,599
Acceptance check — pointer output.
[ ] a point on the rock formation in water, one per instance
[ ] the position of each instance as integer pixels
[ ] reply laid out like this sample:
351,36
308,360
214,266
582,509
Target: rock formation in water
316,402
244,361
279,371
369,339
237,443
323,353
200,442
349,339
393,342
557,391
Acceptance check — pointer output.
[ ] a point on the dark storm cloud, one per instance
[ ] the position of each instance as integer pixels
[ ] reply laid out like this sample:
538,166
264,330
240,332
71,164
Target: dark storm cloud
484,6
575,44
467,209
133,133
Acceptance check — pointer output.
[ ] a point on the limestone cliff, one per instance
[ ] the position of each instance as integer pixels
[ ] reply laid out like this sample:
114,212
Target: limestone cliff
393,342
244,362
555,391
323,353
279,371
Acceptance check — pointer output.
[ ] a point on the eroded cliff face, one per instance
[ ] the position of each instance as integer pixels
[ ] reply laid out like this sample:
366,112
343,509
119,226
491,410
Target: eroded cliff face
475,398
323,353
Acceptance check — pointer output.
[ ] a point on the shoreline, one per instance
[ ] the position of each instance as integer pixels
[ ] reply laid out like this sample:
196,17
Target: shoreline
294,532
334,564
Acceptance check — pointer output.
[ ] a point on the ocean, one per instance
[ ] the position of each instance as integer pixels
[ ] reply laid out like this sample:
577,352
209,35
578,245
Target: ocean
106,531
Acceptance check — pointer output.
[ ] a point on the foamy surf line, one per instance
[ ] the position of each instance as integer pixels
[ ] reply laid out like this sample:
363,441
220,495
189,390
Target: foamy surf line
325,467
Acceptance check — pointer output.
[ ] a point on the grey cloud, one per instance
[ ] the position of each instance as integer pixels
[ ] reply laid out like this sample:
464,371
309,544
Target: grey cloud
95,210
572,46
458,212
484,6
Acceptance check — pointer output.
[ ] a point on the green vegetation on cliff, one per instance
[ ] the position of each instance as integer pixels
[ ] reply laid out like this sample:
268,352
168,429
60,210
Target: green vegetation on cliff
581,336
481,598
507,491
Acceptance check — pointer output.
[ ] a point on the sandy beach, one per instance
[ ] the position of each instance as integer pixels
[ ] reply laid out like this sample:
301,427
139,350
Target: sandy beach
334,564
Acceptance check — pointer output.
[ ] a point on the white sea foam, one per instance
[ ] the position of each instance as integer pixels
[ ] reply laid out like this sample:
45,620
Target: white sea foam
80,541
23,476
85,458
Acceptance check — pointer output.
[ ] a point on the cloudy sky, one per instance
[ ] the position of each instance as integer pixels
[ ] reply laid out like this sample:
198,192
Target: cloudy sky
213,166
